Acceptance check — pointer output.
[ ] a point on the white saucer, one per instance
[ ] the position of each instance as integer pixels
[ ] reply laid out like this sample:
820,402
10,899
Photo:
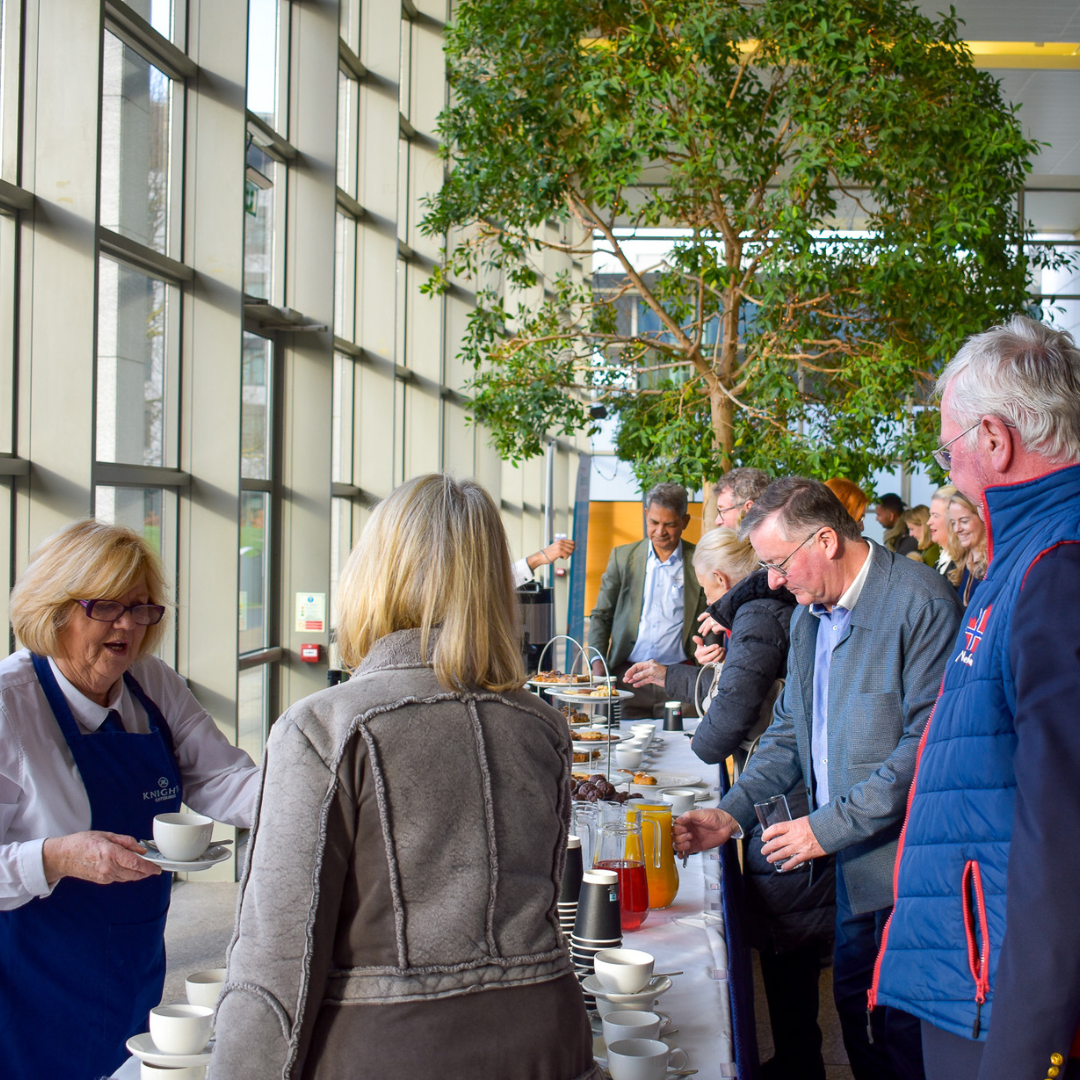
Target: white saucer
142,1046
657,985
214,854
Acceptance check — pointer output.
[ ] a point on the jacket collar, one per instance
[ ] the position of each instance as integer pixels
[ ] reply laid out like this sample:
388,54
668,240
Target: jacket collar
753,587
399,649
1009,509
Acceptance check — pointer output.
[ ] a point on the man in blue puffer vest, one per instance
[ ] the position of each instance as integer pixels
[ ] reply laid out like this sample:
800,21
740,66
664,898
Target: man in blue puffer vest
984,941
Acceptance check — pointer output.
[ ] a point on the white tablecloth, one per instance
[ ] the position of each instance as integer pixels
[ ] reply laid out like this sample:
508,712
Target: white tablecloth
689,936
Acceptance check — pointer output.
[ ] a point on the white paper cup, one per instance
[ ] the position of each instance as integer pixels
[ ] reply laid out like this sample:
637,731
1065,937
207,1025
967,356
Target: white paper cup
642,1059
182,837
167,1072
624,971
204,987
181,1028
630,1024
681,800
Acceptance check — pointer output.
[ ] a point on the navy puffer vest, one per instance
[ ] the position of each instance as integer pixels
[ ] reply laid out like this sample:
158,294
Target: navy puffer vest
941,949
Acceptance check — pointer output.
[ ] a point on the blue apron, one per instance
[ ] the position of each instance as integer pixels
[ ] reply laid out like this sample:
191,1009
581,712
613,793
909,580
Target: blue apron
81,969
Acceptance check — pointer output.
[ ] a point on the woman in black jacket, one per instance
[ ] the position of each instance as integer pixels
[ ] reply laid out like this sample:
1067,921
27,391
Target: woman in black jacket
788,917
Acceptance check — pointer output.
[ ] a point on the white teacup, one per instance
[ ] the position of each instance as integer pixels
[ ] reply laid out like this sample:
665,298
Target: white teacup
623,971
642,1059
628,757
181,1028
680,799
167,1072
204,987
630,1024
182,837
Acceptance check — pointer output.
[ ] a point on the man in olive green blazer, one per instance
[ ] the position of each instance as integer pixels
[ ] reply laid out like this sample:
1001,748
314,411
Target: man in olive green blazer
649,599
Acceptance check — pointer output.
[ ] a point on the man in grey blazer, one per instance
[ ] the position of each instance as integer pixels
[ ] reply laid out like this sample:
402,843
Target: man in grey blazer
869,645
649,599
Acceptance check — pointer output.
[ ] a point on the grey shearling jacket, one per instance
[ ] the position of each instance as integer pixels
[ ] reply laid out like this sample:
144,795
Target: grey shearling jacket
408,849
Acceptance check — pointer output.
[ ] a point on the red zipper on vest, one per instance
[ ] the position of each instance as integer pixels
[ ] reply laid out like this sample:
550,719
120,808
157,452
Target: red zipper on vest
871,994
978,960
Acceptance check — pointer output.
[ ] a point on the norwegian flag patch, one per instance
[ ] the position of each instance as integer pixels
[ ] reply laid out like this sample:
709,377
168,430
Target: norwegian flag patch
973,634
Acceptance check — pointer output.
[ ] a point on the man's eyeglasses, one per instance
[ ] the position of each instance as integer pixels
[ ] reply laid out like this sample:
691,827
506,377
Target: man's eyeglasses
111,610
943,455
721,510
781,567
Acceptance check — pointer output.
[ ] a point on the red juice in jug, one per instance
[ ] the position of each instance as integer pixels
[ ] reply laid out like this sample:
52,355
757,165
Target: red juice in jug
633,891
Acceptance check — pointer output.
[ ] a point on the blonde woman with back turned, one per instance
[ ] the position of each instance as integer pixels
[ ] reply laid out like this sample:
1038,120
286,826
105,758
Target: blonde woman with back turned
397,913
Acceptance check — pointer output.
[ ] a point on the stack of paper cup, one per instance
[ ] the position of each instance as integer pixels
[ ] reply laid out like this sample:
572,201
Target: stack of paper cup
571,885
597,926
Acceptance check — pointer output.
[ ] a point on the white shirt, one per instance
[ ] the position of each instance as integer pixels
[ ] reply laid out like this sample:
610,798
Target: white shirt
41,792
521,572
660,631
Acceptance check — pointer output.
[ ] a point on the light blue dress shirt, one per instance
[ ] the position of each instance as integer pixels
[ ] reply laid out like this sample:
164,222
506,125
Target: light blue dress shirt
660,630
832,629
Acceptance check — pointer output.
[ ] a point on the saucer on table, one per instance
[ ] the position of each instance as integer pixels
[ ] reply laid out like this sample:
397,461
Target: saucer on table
142,1047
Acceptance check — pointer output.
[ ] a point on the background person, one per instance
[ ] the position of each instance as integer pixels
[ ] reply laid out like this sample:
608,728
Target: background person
889,512
735,493
868,644
786,917
917,520
649,599
984,946
852,498
970,533
396,916
941,529
97,736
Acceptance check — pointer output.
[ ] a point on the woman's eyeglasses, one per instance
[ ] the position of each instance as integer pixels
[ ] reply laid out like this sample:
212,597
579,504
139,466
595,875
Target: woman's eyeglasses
111,610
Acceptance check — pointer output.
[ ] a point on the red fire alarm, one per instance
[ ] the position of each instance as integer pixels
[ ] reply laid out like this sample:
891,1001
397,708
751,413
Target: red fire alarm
311,654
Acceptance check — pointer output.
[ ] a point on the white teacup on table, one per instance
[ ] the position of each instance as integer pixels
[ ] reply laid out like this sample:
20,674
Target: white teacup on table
643,1059
204,987
628,757
681,800
166,1072
630,1024
181,1028
623,971
182,837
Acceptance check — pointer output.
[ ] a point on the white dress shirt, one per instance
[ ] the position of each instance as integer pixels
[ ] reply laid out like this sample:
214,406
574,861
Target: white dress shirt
521,572
41,792
660,631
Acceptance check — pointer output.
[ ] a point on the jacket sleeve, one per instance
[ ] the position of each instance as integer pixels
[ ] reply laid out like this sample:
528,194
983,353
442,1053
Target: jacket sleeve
754,660
289,902
773,770
680,680
603,613
880,800
1036,995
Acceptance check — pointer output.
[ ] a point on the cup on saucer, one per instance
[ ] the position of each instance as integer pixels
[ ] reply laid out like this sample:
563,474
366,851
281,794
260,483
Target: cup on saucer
182,837
643,1059
181,1028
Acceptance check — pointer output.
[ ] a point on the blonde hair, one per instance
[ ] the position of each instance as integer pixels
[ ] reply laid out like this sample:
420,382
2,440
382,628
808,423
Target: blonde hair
86,560
851,496
974,558
434,556
919,515
721,550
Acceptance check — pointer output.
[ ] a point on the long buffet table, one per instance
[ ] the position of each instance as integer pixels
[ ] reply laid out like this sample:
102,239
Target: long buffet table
689,937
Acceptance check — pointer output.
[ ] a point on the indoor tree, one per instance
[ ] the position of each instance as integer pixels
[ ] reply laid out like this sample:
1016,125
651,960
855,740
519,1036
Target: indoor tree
842,185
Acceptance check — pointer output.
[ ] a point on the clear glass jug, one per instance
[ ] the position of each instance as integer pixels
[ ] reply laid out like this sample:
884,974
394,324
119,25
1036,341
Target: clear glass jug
658,853
620,850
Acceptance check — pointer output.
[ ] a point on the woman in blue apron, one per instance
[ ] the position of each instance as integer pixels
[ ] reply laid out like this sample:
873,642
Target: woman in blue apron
82,958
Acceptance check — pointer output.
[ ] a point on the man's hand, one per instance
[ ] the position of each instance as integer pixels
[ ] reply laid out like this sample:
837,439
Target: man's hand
646,672
790,843
708,654
701,829
101,857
